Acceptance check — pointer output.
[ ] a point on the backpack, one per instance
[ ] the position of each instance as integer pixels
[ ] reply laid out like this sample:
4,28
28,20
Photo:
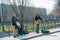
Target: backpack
25,31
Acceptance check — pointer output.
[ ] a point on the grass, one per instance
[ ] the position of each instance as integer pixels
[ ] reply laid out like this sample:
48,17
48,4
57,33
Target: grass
29,27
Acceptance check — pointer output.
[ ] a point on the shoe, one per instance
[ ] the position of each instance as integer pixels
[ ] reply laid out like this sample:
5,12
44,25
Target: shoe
14,36
17,35
37,32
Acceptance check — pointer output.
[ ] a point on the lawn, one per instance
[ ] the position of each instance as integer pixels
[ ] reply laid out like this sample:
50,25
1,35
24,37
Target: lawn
29,27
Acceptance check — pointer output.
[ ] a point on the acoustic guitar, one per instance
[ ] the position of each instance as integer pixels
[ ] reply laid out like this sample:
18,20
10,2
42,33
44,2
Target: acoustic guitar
37,22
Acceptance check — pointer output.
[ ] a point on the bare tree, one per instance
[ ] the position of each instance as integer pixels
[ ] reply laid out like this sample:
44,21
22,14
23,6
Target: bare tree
56,11
21,9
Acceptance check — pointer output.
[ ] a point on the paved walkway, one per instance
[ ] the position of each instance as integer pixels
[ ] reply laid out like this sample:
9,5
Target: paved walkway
54,36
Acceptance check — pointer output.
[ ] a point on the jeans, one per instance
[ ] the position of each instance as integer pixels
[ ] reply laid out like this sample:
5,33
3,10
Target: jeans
37,28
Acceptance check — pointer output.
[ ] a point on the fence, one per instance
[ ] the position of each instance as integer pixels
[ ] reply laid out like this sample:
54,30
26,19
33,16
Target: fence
29,25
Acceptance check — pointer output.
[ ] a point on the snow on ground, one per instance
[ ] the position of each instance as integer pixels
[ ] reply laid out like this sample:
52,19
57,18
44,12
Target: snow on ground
54,36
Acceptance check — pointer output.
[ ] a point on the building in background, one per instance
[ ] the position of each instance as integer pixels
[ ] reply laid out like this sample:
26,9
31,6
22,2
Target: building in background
43,12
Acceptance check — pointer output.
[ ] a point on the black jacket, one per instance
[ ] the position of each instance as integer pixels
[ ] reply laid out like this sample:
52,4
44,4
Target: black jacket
14,19
37,18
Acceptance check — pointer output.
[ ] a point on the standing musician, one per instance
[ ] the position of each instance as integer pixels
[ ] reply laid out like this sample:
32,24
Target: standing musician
37,22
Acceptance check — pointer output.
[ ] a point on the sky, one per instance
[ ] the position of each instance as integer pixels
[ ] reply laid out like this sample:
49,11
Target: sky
48,4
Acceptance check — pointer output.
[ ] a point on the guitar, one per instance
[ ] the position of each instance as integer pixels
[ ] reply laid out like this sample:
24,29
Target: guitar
37,22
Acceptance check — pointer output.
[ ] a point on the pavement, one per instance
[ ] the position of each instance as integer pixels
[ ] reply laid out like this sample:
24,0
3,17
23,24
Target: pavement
53,36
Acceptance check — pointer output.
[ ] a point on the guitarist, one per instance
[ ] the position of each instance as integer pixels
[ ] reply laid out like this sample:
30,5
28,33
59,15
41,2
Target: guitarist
37,22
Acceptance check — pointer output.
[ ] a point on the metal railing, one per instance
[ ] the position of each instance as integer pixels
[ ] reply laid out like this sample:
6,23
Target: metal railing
29,25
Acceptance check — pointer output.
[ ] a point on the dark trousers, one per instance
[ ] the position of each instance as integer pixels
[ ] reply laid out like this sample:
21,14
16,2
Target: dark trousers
37,28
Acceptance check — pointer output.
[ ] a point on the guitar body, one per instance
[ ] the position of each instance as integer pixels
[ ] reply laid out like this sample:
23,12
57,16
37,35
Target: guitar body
37,22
